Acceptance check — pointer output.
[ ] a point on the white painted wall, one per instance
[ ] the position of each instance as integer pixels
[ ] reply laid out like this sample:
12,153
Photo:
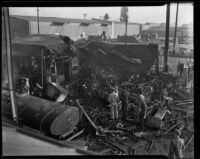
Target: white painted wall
131,29
74,30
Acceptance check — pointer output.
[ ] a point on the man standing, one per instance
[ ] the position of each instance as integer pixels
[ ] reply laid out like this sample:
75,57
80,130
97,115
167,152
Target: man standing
178,67
177,145
142,108
181,68
125,95
113,100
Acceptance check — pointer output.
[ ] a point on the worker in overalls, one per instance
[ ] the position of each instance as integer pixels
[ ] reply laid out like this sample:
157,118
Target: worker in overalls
125,101
113,99
165,95
142,108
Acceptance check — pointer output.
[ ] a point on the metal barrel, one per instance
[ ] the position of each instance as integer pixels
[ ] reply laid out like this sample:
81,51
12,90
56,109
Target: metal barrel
52,118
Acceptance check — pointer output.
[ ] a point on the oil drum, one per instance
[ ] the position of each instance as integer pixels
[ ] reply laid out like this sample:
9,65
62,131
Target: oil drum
54,92
52,118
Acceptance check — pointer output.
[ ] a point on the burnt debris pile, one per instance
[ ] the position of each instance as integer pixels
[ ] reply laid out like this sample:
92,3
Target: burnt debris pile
113,103
169,115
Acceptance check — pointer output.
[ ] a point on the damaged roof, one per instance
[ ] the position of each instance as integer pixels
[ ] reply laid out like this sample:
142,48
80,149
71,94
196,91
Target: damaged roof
120,57
32,45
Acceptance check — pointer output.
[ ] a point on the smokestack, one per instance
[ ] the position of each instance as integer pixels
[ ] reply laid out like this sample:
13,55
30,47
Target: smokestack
124,14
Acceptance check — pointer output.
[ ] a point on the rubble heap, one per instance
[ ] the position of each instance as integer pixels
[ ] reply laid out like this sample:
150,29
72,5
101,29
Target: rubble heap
166,114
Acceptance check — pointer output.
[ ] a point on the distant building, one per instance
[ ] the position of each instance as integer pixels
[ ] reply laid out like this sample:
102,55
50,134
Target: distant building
74,28
184,37
18,27
158,32
146,26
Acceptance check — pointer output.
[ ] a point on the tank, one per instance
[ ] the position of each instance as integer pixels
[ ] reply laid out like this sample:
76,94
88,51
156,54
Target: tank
52,118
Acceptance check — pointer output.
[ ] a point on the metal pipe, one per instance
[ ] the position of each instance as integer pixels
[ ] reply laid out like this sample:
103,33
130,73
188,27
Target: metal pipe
167,38
88,118
175,29
75,135
9,63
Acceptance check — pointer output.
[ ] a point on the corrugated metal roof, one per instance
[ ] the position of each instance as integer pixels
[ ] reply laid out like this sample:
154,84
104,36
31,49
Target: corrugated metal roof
55,19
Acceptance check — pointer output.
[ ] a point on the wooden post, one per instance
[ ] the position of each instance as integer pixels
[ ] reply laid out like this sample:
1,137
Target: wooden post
167,38
175,29
9,63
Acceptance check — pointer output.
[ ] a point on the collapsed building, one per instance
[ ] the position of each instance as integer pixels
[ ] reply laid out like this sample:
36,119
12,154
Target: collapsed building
62,90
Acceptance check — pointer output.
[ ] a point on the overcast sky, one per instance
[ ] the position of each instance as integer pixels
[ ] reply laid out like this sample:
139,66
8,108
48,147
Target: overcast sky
136,14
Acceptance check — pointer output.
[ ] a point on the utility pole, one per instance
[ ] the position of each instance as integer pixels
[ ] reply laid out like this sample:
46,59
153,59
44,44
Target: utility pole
124,18
126,29
167,38
38,21
9,63
175,29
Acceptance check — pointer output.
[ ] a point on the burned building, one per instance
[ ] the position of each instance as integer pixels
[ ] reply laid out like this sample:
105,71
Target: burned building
106,98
